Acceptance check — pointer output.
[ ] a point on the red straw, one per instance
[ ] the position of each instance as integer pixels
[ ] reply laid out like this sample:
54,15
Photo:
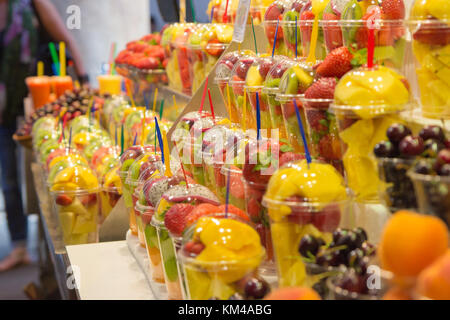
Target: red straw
181,164
204,95
211,104
370,47
225,15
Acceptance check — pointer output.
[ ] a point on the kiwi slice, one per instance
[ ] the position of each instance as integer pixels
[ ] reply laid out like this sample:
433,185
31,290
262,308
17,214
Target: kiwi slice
352,11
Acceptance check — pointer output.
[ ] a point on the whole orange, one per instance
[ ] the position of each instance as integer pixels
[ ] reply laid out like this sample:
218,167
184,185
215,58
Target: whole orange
293,293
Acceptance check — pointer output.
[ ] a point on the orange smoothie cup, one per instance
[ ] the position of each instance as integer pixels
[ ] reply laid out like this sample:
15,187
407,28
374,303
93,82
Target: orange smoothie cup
39,88
61,84
109,83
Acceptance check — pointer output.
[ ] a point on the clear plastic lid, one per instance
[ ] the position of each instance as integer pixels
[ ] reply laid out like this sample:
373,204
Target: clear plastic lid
371,92
44,123
297,78
133,152
275,10
273,78
187,121
74,179
111,180
259,70
240,69
102,152
143,167
60,165
226,64
154,188
47,148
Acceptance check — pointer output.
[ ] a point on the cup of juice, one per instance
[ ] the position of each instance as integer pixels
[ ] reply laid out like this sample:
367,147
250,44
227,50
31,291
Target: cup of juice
39,88
110,83
61,84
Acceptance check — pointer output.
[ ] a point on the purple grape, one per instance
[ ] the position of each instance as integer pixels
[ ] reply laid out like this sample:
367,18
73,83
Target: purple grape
256,288
411,146
432,132
384,149
308,245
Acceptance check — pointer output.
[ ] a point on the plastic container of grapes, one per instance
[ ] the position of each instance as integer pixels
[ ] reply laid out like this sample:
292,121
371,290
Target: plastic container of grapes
433,194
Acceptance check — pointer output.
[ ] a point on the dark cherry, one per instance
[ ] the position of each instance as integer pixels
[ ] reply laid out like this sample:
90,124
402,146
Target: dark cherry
385,149
447,143
337,234
397,132
444,170
352,282
423,167
361,233
308,244
351,241
411,146
256,288
432,132
368,248
337,258
431,148
444,156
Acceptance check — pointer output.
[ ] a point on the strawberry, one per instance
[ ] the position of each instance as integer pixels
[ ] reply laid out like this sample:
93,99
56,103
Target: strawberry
393,9
290,157
332,32
306,29
89,199
175,218
193,248
253,209
234,210
321,89
326,147
64,200
147,63
299,214
214,48
236,184
328,219
336,63
200,210
155,52
317,120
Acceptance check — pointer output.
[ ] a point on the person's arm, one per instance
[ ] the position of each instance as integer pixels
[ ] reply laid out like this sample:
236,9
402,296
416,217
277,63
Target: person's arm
54,25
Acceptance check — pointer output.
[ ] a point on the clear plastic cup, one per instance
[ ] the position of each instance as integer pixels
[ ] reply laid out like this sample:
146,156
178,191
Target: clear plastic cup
109,83
306,27
220,279
433,194
169,247
39,88
270,28
196,66
323,132
211,54
137,213
108,200
395,191
430,40
151,242
290,118
237,194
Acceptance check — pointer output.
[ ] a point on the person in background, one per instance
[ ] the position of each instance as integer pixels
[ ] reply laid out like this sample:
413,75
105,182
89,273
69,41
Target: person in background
26,26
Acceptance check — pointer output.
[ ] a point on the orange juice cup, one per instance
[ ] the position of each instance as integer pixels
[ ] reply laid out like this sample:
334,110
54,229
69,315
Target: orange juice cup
61,84
109,83
39,88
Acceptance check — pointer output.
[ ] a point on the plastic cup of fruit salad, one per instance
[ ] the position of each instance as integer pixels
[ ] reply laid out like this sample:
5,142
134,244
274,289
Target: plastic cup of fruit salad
307,217
236,192
270,27
168,248
323,132
215,279
290,118
151,242
126,189
430,42
433,194
395,192
108,200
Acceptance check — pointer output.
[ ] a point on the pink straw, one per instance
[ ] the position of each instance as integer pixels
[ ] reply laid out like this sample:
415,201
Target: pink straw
211,105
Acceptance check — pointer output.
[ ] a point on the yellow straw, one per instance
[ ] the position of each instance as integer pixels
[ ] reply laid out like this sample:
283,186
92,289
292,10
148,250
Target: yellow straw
154,100
77,84
229,100
40,68
244,115
143,129
130,95
168,172
62,59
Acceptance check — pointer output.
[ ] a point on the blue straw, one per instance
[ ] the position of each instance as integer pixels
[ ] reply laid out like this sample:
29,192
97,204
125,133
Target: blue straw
227,197
70,137
302,132
161,146
275,40
135,139
211,15
258,118
147,106
296,41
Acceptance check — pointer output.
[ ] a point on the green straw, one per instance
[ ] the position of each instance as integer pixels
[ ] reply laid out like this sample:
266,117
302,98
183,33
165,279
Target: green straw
161,108
122,141
254,37
54,55
192,12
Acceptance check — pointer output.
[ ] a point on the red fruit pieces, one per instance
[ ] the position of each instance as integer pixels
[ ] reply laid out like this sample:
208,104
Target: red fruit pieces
328,219
89,199
194,248
253,209
63,200
175,218
290,157
214,48
147,63
332,32
437,34
393,9
336,63
321,89
235,211
317,120
200,210
236,184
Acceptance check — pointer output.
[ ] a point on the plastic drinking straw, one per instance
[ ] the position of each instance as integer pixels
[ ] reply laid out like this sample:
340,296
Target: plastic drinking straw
40,69
192,11
204,95
54,55
225,14
181,165
155,97
211,15
112,53
296,40
258,118
275,40
122,140
302,132
161,109
375,13
115,136
161,145
229,99
70,138
254,36
168,172
62,59
130,94
135,139
175,105
227,196
244,114
211,105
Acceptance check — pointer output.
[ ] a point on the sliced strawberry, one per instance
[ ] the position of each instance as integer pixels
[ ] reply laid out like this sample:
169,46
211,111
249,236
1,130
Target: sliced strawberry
321,89
200,210
175,218
336,63
236,184
147,63
328,219
317,120
63,200
393,9
194,248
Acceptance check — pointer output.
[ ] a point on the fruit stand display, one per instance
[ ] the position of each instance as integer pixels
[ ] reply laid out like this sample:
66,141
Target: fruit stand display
319,172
